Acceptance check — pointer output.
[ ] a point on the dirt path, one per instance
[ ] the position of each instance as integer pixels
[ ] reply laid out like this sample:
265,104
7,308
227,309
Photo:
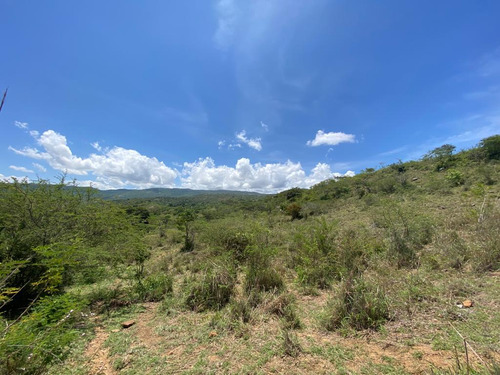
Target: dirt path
143,328
99,355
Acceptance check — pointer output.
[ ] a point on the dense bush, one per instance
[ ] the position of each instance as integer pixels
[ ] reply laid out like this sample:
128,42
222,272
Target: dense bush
491,146
42,336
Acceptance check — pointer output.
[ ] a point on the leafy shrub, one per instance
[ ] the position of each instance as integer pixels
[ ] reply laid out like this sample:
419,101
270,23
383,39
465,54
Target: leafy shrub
358,304
154,287
214,290
42,336
455,178
386,185
294,210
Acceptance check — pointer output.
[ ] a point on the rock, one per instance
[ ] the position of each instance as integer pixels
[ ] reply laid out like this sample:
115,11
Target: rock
128,323
414,179
467,303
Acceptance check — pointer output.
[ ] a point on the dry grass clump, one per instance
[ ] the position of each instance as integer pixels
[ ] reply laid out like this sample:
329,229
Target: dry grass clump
359,304
214,290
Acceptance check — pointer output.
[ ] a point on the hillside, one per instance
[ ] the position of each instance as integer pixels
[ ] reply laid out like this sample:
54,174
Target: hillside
166,193
393,271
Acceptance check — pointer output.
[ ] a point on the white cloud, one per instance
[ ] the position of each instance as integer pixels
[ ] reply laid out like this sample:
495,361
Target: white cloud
119,167
21,125
40,167
10,178
331,138
264,126
116,167
265,178
20,169
251,142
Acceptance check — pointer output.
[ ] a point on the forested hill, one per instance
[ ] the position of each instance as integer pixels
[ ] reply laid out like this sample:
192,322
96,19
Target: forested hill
166,193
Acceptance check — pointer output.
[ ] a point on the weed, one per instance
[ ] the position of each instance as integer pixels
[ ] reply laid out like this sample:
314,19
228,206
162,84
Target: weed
284,306
291,345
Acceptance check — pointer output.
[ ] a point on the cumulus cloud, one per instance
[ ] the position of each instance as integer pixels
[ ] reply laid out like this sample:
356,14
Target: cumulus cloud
265,178
115,167
331,138
20,169
118,167
251,142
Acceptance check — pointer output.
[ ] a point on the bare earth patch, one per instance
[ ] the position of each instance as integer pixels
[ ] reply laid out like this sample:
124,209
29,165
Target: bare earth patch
99,355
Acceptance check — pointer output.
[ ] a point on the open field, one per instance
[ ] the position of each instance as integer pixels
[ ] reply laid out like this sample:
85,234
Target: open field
394,271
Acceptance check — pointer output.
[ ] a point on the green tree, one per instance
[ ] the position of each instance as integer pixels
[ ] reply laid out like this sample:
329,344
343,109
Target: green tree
294,210
184,221
491,145
444,151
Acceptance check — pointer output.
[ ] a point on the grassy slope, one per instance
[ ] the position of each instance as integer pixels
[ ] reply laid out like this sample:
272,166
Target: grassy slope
448,224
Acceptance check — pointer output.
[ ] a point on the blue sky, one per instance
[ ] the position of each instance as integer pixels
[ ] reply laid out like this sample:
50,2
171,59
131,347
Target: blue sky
258,95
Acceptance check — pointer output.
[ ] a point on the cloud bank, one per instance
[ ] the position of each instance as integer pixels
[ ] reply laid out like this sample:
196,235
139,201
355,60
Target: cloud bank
264,178
118,167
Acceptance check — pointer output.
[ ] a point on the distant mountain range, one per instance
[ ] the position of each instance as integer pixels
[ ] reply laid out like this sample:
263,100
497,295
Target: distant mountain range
166,193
